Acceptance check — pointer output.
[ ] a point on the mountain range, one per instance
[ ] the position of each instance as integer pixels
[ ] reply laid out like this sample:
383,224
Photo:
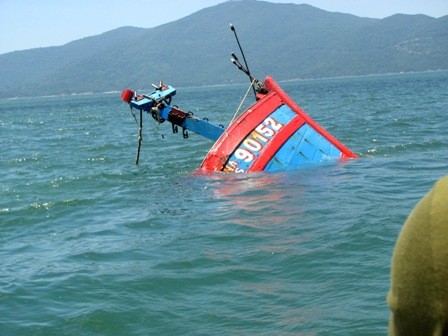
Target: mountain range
286,41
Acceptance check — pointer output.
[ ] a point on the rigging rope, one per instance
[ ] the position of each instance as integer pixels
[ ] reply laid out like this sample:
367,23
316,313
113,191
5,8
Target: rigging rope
244,98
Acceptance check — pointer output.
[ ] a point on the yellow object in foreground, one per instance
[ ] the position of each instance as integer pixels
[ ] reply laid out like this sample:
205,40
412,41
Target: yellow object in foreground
418,297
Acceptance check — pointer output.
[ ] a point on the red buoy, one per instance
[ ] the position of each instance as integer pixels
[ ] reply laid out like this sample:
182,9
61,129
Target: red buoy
127,95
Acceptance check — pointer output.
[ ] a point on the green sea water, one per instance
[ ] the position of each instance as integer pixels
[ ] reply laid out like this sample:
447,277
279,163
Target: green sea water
91,244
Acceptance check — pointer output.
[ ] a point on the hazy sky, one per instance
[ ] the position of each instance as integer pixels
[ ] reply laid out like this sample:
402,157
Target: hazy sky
26,24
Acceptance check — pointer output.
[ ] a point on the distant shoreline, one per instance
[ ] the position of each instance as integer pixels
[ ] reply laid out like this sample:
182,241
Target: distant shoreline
114,92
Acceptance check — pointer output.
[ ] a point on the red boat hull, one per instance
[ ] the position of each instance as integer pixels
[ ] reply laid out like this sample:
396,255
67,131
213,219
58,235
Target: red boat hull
272,134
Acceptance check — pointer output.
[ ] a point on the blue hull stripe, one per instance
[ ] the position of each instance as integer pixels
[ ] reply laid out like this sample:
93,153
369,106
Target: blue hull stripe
304,146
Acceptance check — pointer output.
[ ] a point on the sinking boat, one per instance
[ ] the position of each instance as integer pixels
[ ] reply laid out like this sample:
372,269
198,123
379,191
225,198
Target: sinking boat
272,134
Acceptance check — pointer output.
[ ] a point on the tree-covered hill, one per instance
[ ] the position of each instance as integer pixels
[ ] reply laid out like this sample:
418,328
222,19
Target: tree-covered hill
286,41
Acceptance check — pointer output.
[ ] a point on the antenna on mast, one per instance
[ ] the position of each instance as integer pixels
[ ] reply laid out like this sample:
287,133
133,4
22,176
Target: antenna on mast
235,60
